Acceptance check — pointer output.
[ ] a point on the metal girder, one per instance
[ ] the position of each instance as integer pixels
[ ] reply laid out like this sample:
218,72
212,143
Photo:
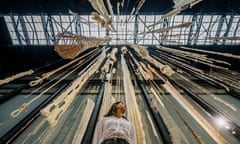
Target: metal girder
35,31
24,29
117,21
126,33
144,29
165,25
61,24
229,25
237,27
15,25
51,27
71,22
223,26
135,33
199,24
181,29
44,24
77,25
89,29
144,23
190,36
99,31
208,29
154,21
219,28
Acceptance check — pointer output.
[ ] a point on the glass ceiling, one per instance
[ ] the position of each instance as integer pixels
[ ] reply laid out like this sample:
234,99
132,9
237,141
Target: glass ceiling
205,29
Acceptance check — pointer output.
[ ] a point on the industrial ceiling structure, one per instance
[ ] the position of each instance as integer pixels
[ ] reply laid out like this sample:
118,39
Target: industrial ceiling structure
212,22
175,63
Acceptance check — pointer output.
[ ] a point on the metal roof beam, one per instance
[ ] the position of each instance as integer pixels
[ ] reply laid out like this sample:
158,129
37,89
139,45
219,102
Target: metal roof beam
199,25
15,25
135,33
229,25
49,19
190,36
219,28
44,24
24,29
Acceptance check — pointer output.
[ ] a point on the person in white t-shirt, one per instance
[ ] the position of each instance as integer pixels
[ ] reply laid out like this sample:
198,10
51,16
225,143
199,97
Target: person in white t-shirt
114,127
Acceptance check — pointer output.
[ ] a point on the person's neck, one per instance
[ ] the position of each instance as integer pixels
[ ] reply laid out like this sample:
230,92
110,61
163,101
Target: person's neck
118,115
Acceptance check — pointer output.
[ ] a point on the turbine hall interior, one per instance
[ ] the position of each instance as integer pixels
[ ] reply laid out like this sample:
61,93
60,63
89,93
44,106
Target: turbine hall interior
174,63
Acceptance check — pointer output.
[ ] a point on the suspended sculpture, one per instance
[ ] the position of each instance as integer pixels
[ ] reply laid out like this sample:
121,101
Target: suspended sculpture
46,75
118,8
135,10
179,5
84,122
24,106
55,110
142,51
107,71
161,30
108,68
110,7
134,112
69,46
158,102
140,68
17,76
213,52
59,78
102,15
195,56
217,72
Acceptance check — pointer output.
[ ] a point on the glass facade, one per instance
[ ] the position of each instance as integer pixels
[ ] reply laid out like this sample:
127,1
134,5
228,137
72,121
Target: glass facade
205,29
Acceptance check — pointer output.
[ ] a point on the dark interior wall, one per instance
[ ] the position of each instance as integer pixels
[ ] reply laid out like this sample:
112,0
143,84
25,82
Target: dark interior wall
5,39
83,6
20,58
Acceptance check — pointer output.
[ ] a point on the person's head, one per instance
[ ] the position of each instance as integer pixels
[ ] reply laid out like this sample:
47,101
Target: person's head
117,109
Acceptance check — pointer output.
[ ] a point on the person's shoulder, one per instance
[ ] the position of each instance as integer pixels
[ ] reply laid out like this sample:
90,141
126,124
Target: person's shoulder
101,119
106,117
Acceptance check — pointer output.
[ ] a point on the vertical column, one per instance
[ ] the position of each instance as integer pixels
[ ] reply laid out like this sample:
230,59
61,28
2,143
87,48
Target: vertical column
135,29
219,28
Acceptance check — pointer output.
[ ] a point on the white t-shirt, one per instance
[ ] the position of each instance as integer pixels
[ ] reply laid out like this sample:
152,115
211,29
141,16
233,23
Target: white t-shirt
113,127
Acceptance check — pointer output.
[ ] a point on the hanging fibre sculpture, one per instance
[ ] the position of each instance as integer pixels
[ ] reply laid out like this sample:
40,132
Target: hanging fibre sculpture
102,16
16,76
69,45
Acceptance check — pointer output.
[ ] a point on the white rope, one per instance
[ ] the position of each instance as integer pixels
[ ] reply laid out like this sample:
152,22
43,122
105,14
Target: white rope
84,122
55,110
17,76
133,109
